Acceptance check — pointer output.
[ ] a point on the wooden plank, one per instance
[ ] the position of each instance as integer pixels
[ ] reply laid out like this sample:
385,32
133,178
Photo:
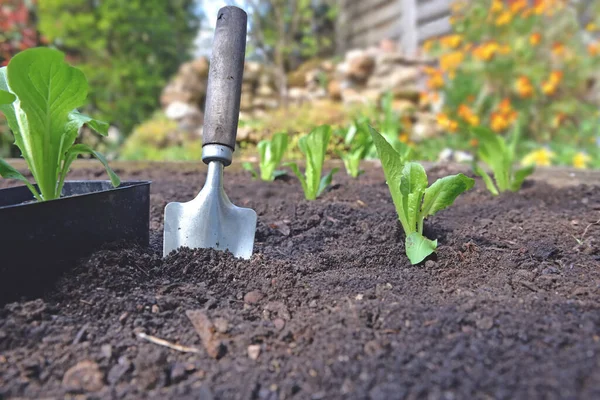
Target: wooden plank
360,9
435,9
434,28
410,36
390,13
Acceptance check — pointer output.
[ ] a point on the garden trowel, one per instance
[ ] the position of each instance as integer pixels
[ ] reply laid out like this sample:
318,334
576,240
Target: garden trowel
211,220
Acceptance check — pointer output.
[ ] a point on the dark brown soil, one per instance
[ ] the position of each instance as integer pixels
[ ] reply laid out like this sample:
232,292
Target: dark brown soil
329,306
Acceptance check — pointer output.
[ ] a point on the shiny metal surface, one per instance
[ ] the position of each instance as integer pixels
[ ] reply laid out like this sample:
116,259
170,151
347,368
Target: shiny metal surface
217,152
210,220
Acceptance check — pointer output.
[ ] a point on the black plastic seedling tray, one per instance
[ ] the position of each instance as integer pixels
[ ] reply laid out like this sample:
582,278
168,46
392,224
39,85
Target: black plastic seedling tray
40,240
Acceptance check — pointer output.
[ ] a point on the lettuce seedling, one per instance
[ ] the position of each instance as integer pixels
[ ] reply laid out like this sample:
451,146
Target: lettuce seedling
270,152
499,154
414,201
314,147
39,94
358,144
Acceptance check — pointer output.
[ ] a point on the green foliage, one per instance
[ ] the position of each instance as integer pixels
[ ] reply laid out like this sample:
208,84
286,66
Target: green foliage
44,119
160,139
498,153
413,200
271,153
127,49
314,147
390,126
357,145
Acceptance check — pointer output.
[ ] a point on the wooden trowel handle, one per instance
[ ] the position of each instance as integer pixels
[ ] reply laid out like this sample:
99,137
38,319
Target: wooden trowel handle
223,95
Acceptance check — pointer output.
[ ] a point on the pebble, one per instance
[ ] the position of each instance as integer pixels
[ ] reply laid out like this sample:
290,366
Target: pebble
221,325
485,323
254,351
279,324
430,264
85,376
253,297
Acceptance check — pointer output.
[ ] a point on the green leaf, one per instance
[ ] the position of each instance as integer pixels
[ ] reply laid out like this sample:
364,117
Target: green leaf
17,121
326,181
301,178
314,146
418,247
393,165
489,183
48,90
6,97
494,152
97,126
443,192
75,151
248,167
8,172
413,183
279,172
520,176
271,153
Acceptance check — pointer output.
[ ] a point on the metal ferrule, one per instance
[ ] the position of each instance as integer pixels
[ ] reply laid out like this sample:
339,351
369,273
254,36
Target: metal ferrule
217,152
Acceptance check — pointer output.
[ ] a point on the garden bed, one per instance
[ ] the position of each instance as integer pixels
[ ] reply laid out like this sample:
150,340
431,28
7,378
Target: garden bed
329,306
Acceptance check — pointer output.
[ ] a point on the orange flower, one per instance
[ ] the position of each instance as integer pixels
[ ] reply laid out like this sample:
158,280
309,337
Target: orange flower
594,49
499,122
428,45
486,51
505,107
473,142
558,49
524,87
404,138
468,115
446,123
451,41
504,18
497,6
535,39
451,61
549,86
518,5
436,81
539,6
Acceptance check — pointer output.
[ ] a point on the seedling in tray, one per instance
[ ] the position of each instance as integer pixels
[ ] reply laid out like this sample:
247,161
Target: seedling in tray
314,147
414,201
39,94
271,152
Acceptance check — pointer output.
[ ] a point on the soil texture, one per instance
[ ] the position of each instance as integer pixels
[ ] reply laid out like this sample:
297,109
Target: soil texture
329,306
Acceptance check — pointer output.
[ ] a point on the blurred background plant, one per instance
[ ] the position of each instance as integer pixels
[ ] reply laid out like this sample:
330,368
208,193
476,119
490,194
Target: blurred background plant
520,59
423,83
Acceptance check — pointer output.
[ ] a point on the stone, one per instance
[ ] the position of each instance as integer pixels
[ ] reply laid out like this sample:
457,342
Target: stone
252,71
85,376
265,103
265,91
360,65
254,351
334,89
188,117
253,297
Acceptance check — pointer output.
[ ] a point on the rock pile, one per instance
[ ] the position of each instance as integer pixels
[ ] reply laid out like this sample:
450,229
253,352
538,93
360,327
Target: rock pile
363,77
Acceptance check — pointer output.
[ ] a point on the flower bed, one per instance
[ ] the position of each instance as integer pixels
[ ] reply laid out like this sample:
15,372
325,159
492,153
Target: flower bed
329,306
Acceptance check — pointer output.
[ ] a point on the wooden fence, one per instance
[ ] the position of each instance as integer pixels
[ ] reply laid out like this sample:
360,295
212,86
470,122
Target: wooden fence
363,23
